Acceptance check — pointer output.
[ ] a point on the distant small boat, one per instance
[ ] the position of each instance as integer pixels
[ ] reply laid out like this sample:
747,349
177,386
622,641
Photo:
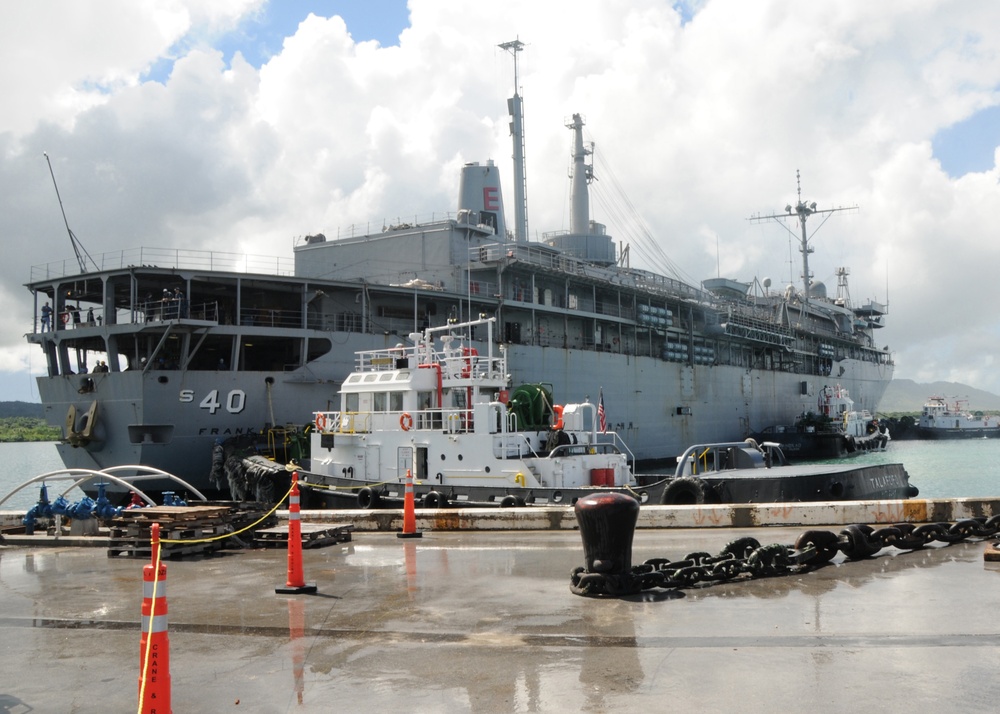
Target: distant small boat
836,429
941,420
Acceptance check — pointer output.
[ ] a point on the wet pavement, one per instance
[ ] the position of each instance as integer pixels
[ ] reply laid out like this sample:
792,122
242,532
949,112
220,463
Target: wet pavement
485,622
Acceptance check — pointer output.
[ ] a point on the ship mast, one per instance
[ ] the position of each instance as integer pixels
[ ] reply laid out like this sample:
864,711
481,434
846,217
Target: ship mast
77,245
802,212
581,175
517,134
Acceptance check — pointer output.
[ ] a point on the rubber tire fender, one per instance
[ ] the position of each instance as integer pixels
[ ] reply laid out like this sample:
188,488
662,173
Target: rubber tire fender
508,502
368,498
435,499
688,491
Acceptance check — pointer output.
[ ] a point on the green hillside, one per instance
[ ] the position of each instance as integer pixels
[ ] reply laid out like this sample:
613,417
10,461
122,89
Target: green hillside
27,429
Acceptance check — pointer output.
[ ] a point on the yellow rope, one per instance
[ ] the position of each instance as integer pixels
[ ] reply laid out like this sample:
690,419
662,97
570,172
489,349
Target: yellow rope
234,533
149,632
322,487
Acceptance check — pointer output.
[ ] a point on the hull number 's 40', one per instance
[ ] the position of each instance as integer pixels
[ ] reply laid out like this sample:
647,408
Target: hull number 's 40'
235,401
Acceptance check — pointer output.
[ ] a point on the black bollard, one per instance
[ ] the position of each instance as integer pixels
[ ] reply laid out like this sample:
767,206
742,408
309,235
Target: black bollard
607,524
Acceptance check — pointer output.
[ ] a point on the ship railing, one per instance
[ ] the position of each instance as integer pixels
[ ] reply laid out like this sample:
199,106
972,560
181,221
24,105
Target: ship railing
465,365
74,317
662,285
548,259
143,312
345,422
175,259
375,228
263,317
482,288
620,444
523,294
159,310
749,328
453,421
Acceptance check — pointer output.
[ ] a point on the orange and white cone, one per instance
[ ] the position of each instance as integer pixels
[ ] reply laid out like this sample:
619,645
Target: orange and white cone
154,646
295,583
409,511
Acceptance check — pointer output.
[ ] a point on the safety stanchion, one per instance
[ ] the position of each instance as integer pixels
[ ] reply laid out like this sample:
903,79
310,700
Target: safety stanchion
295,583
154,646
409,512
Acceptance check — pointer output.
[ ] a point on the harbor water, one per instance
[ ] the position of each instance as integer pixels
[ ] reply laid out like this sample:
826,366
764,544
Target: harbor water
940,469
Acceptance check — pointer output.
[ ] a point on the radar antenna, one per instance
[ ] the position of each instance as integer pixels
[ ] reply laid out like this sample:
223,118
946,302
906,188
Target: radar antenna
802,211
77,245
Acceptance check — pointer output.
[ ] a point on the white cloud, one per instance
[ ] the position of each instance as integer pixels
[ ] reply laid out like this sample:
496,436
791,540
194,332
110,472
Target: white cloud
703,123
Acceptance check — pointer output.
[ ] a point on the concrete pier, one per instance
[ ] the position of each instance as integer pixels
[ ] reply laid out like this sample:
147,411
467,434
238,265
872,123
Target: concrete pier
485,622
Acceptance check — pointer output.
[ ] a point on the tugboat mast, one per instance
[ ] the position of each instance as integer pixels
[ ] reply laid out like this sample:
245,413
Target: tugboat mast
517,134
803,211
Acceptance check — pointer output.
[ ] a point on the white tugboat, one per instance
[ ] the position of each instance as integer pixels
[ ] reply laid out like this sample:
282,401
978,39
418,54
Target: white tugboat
941,420
441,410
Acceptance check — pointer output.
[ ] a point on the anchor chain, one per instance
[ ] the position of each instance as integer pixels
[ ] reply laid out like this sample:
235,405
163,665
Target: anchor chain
745,558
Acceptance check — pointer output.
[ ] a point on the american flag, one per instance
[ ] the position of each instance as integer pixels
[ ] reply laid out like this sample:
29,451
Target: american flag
600,413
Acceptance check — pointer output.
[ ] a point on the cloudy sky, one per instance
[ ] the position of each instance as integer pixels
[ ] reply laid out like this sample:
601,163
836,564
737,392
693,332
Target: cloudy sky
241,125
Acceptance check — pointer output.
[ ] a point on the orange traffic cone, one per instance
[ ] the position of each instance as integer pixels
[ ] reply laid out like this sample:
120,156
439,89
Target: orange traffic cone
409,514
154,647
296,580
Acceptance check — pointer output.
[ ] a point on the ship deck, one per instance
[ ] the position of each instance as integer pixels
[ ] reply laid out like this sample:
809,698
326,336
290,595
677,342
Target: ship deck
485,621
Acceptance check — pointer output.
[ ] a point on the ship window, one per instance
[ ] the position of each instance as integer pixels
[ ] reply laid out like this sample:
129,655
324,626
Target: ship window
378,402
370,377
395,401
386,377
351,402
403,375
354,379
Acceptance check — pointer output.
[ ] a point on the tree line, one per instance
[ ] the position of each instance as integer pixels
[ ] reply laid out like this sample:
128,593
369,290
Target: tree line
27,429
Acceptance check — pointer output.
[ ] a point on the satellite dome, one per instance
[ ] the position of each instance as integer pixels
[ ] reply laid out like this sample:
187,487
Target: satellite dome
818,289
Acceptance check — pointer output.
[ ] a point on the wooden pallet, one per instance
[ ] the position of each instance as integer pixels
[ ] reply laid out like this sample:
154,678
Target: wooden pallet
134,542
130,533
314,535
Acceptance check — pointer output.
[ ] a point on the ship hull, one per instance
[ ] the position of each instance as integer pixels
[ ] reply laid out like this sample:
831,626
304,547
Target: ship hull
171,419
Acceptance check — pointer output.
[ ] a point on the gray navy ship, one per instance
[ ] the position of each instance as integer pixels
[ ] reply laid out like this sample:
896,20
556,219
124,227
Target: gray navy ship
154,356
